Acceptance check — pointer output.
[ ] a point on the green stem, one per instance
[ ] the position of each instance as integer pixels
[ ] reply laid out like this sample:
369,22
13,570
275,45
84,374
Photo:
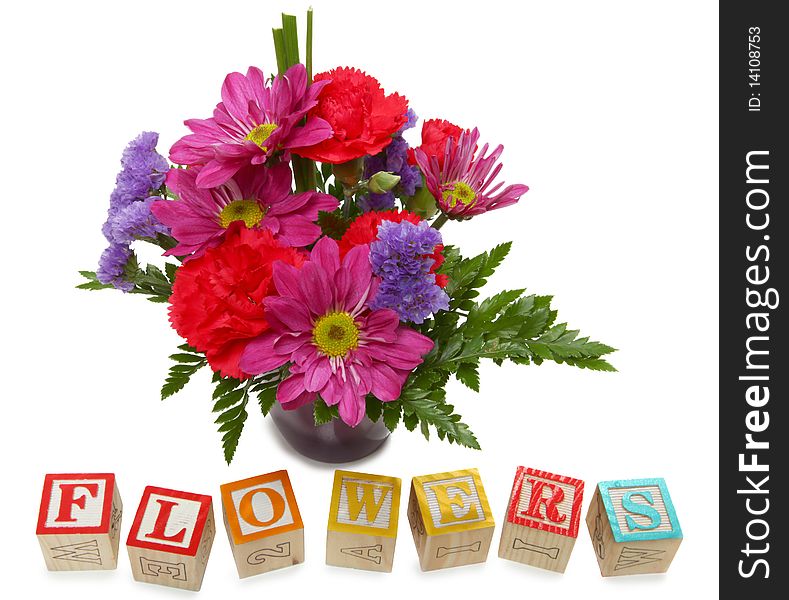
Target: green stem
280,51
346,204
308,59
440,220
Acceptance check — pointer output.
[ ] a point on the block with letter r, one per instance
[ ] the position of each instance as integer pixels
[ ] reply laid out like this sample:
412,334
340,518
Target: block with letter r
541,524
79,521
634,526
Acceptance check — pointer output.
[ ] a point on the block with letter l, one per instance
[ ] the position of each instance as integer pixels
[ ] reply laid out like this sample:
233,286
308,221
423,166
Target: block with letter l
541,524
170,540
634,527
263,523
450,519
363,518
79,521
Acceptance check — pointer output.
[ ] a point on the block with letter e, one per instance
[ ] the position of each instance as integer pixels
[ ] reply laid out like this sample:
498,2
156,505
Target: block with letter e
79,521
363,518
450,519
634,527
541,524
170,540
263,523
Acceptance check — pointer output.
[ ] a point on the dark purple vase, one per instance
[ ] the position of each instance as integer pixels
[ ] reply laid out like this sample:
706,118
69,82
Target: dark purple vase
333,442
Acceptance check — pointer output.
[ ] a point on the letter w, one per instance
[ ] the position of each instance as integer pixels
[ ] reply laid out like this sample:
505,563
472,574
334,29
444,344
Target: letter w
366,501
632,557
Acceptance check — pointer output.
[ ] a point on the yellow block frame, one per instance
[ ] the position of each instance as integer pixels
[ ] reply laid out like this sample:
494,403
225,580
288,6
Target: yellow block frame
421,497
391,531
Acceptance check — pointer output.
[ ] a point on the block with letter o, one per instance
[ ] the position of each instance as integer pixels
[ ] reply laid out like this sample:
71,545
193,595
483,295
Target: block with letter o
263,523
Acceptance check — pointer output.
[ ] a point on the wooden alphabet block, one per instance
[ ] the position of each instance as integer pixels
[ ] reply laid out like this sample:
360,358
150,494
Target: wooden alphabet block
450,519
171,537
79,521
263,523
541,524
633,526
363,520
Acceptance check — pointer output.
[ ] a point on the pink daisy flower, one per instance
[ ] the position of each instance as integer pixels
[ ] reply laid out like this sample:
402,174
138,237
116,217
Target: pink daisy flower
338,347
258,196
254,120
462,184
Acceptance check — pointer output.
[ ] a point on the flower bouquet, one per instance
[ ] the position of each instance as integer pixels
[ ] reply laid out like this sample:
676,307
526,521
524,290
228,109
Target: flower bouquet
307,267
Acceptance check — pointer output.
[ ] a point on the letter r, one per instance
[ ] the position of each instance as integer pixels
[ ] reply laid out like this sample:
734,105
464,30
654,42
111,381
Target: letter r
536,500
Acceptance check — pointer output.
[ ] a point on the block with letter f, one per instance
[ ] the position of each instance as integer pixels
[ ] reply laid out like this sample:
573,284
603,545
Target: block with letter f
542,519
362,530
79,521
450,519
170,540
263,523
634,527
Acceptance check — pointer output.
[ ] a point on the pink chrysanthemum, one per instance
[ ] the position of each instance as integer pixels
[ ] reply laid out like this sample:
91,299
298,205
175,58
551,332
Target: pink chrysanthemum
253,121
258,196
462,184
338,347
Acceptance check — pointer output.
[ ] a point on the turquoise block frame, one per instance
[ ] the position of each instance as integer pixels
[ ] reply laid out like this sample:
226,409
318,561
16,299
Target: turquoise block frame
619,536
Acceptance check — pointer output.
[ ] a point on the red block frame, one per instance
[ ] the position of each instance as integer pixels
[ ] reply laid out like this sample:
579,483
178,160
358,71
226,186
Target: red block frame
202,517
106,509
575,511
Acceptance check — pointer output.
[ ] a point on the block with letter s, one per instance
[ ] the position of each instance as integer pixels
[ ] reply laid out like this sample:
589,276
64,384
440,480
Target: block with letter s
634,527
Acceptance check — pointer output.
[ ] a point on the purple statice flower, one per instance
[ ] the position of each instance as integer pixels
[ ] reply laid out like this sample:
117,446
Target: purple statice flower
392,159
129,217
112,265
142,171
400,256
410,122
135,221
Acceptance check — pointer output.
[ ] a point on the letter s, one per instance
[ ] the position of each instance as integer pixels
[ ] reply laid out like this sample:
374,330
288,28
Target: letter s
630,505
754,566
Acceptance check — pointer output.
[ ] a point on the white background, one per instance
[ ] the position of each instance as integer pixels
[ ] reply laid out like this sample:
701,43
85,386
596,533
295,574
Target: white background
608,110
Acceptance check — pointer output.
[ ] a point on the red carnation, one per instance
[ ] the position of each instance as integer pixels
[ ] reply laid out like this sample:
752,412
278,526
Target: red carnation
364,230
217,300
435,133
362,117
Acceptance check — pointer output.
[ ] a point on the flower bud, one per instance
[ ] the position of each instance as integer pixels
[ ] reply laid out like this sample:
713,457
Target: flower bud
382,182
422,203
349,173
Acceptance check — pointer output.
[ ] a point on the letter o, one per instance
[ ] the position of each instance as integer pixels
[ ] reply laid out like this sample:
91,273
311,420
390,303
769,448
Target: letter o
761,522
757,191
247,512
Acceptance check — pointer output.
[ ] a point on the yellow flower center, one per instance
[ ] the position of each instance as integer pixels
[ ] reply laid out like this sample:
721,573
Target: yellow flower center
248,211
459,192
335,333
261,133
